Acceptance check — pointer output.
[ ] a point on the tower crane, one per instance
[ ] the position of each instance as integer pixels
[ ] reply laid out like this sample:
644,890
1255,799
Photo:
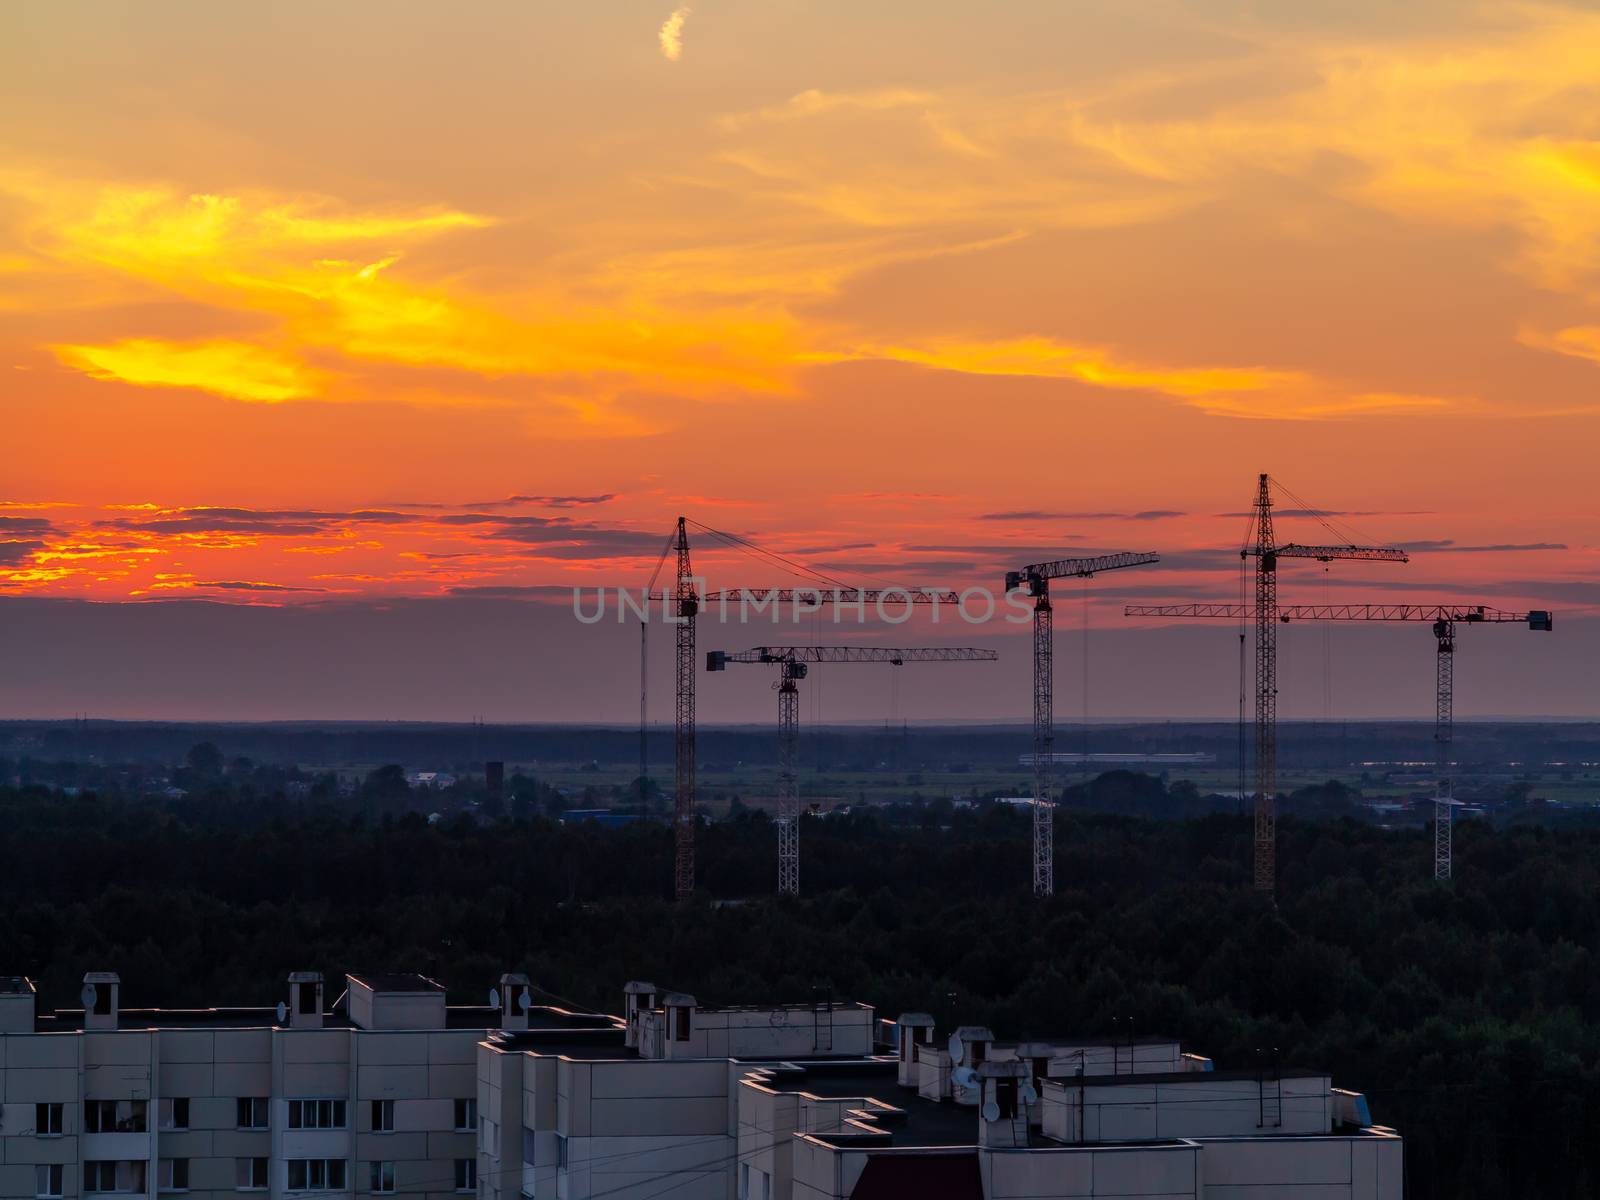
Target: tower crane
686,604
1444,618
1267,552
793,662
1036,578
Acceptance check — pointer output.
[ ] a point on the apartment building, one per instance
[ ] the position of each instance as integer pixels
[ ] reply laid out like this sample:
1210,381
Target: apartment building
372,1094
387,1089
826,1102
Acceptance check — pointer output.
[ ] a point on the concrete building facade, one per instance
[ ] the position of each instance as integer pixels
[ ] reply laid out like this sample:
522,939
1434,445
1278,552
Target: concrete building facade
685,1102
370,1095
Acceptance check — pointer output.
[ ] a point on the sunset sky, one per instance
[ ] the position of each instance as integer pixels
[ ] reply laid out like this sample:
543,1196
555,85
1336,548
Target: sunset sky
352,307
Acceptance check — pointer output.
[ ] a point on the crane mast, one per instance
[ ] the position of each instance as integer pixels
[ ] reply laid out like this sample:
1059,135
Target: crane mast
1037,579
1444,632
793,664
1267,553
789,779
1266,818
1444,618
683,816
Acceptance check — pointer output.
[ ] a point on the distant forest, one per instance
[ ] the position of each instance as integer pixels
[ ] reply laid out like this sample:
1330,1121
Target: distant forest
1468,1013
1314,744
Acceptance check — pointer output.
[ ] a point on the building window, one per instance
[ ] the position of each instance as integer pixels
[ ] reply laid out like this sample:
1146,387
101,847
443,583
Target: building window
380,1178
316,1114
114,1116
466,1115
250,1174
172,1175
252,1112
316,1174
113,1176
744,1181
47,1119
561,1152
466,1174
681,1017
383,1116
173,1113
48,1180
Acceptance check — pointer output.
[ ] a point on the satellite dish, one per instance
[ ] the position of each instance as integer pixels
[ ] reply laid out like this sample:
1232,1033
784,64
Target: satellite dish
494,997
87,995
525,1000
283,1012
991,1111
964,1077
1028,1093
958,1048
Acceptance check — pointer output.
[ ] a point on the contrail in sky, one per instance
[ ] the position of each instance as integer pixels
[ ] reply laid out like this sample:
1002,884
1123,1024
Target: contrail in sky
671,35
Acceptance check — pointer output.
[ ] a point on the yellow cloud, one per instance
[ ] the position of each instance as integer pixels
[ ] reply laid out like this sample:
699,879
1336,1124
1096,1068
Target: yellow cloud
1248,392
255,254
1047,359
814,102
1325,403
227,368
671,34
1580,341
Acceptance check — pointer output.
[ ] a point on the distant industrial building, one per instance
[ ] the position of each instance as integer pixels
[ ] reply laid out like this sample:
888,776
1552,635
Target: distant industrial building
389,1091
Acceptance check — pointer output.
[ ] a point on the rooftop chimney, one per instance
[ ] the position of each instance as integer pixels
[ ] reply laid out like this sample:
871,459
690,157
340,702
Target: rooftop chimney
101,999
18,1000
637,997
680,1025
912,1030
1003,1110
515,1001
305,1000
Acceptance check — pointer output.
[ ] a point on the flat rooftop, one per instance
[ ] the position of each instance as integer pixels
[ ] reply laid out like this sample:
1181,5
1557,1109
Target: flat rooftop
918,1122
1233,1076
601,1040
398,983
457,1016
1091,1043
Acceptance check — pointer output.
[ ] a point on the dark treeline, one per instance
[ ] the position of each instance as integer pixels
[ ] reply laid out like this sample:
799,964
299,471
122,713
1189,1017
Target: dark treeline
1311,744
1469,1014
